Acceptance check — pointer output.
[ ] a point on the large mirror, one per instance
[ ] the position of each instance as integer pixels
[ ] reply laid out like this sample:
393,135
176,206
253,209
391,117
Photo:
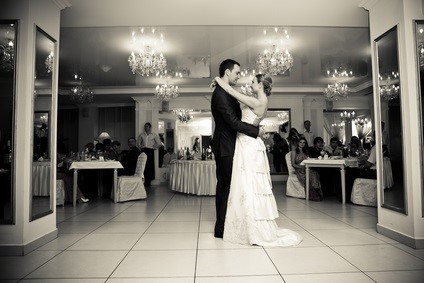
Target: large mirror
419,30
41,198
187,128
393,185
8,35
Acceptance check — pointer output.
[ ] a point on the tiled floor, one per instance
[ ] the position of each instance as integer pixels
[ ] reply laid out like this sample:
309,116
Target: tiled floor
168,238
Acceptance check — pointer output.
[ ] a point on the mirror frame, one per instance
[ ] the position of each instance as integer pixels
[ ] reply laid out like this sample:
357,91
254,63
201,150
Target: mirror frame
403,209
32,217
420,103
12,188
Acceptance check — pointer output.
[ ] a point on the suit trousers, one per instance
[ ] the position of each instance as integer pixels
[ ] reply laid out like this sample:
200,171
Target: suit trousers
224,168
149,171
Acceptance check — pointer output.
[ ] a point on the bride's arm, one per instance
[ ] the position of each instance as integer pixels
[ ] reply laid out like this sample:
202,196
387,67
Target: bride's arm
250,101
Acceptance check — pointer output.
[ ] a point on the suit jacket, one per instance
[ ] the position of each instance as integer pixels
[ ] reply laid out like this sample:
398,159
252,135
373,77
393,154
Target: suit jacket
227,114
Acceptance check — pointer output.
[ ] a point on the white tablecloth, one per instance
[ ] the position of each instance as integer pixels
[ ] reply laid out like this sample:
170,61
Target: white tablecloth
193,177
96,165
41,178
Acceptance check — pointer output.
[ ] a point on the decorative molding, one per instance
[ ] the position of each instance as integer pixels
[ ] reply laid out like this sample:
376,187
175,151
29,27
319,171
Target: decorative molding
367,4
62,4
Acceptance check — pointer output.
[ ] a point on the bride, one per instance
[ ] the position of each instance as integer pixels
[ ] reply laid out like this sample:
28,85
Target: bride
252,210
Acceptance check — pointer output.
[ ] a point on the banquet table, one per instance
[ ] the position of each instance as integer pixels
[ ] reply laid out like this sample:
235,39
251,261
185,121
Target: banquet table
87,165
193,177
336,162
41,178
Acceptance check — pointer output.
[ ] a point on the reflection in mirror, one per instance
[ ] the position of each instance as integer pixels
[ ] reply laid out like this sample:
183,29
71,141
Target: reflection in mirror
8,35
277,125
420,55
41,200
393,187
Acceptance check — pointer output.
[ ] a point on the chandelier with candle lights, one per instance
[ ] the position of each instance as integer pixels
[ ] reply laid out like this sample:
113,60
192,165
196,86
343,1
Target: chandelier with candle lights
144,60
347,116
336,91
166,92
183,115
276,60
49,62
389,88
80,93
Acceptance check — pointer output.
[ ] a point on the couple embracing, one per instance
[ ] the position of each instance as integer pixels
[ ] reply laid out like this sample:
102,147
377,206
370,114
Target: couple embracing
245,204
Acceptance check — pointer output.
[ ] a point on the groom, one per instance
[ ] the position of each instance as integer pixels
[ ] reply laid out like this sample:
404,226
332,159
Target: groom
226,113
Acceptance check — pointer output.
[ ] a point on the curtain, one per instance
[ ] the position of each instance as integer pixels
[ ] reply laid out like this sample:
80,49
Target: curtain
67,131
333,127
118,122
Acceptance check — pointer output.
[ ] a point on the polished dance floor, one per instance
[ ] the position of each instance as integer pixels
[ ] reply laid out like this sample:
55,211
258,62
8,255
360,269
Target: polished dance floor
168,238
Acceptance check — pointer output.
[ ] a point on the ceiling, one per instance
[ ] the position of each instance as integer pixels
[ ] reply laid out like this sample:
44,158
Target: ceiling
97,48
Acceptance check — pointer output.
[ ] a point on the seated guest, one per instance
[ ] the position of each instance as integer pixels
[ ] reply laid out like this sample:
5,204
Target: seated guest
365,170
279,150
89,148
129,160
299,154
100,147
335,148
317,149
355,148
329,177
169,156
107,143
115,152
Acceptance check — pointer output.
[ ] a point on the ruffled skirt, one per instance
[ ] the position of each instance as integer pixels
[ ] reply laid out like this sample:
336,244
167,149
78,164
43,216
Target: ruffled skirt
252,210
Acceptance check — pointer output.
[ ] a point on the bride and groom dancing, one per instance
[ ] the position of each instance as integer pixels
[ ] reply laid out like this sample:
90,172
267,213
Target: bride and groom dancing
245,204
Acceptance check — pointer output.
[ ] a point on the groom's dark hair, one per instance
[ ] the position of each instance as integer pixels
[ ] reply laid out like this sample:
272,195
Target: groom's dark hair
227,64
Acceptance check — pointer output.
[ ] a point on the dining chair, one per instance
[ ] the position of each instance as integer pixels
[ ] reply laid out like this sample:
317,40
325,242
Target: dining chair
364,192
132,187
293,187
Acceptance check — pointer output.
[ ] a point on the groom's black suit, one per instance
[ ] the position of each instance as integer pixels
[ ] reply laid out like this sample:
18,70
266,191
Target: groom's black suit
226,113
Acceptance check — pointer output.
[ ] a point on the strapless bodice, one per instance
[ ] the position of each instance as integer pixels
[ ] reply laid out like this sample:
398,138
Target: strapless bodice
248,116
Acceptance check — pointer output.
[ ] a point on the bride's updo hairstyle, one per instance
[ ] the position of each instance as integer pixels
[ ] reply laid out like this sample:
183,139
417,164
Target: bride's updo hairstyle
266,82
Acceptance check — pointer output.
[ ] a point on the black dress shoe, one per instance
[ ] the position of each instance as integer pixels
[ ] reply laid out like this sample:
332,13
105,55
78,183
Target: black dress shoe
218,236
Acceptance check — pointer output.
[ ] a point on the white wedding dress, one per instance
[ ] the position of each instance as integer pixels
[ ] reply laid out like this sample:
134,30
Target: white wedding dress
252,210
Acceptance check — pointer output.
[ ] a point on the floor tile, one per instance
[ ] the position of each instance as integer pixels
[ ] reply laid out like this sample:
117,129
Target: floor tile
207,241
57,280
397,276
179,216
106,242
135,216
234,263
80,264
170,227
16,267
152,280
157,264
321,223
418,253
361,222
62,242
379,258
123,227
345,237
309,260
357,277
168,241
241,279
78,227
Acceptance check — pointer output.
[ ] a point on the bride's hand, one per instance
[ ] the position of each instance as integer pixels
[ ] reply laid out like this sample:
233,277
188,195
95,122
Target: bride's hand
213,84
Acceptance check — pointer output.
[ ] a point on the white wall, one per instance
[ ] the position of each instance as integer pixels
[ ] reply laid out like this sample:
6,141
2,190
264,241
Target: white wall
407,228
46,15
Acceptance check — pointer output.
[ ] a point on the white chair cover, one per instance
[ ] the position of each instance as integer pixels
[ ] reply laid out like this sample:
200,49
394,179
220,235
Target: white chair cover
60,192
293,187
364,192
132,187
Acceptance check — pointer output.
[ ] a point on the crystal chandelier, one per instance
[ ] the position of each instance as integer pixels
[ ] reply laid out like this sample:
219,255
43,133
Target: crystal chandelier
389,92
359,122
336,91
183,115
146,61
338,71
276,60
49,63
7,56
388,88
284,117
81,94
166,92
